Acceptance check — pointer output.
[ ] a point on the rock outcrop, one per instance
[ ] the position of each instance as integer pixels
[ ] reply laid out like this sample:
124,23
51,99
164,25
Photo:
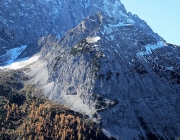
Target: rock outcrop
118,74
23,22
99,60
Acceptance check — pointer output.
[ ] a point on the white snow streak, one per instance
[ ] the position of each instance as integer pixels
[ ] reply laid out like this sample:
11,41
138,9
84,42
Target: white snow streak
150,47
93,39
21,64
13,54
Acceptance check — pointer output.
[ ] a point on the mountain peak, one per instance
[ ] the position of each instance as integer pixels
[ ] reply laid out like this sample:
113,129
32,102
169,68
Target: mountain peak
99,60
52,18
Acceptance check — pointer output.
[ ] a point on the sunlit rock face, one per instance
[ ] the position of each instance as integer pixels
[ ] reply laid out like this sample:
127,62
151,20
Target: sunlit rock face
116,72
23,22
98,60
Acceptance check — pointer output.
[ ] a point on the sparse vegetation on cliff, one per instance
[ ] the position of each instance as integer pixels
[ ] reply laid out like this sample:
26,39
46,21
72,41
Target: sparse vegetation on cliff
82,46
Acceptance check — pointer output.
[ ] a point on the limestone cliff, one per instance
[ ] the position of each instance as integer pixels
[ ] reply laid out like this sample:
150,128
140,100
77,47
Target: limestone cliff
117,74
22,22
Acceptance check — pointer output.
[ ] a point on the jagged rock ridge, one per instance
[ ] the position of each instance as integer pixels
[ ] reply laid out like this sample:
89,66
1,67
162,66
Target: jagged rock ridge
111,67
23,22
117,67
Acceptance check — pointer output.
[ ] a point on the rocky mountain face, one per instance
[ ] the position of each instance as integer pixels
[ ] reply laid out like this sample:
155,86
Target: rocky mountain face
111,66
23,22
117,74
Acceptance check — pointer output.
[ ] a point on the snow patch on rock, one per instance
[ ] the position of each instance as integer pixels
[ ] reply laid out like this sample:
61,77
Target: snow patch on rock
12,54
93,39
21,64
150,47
